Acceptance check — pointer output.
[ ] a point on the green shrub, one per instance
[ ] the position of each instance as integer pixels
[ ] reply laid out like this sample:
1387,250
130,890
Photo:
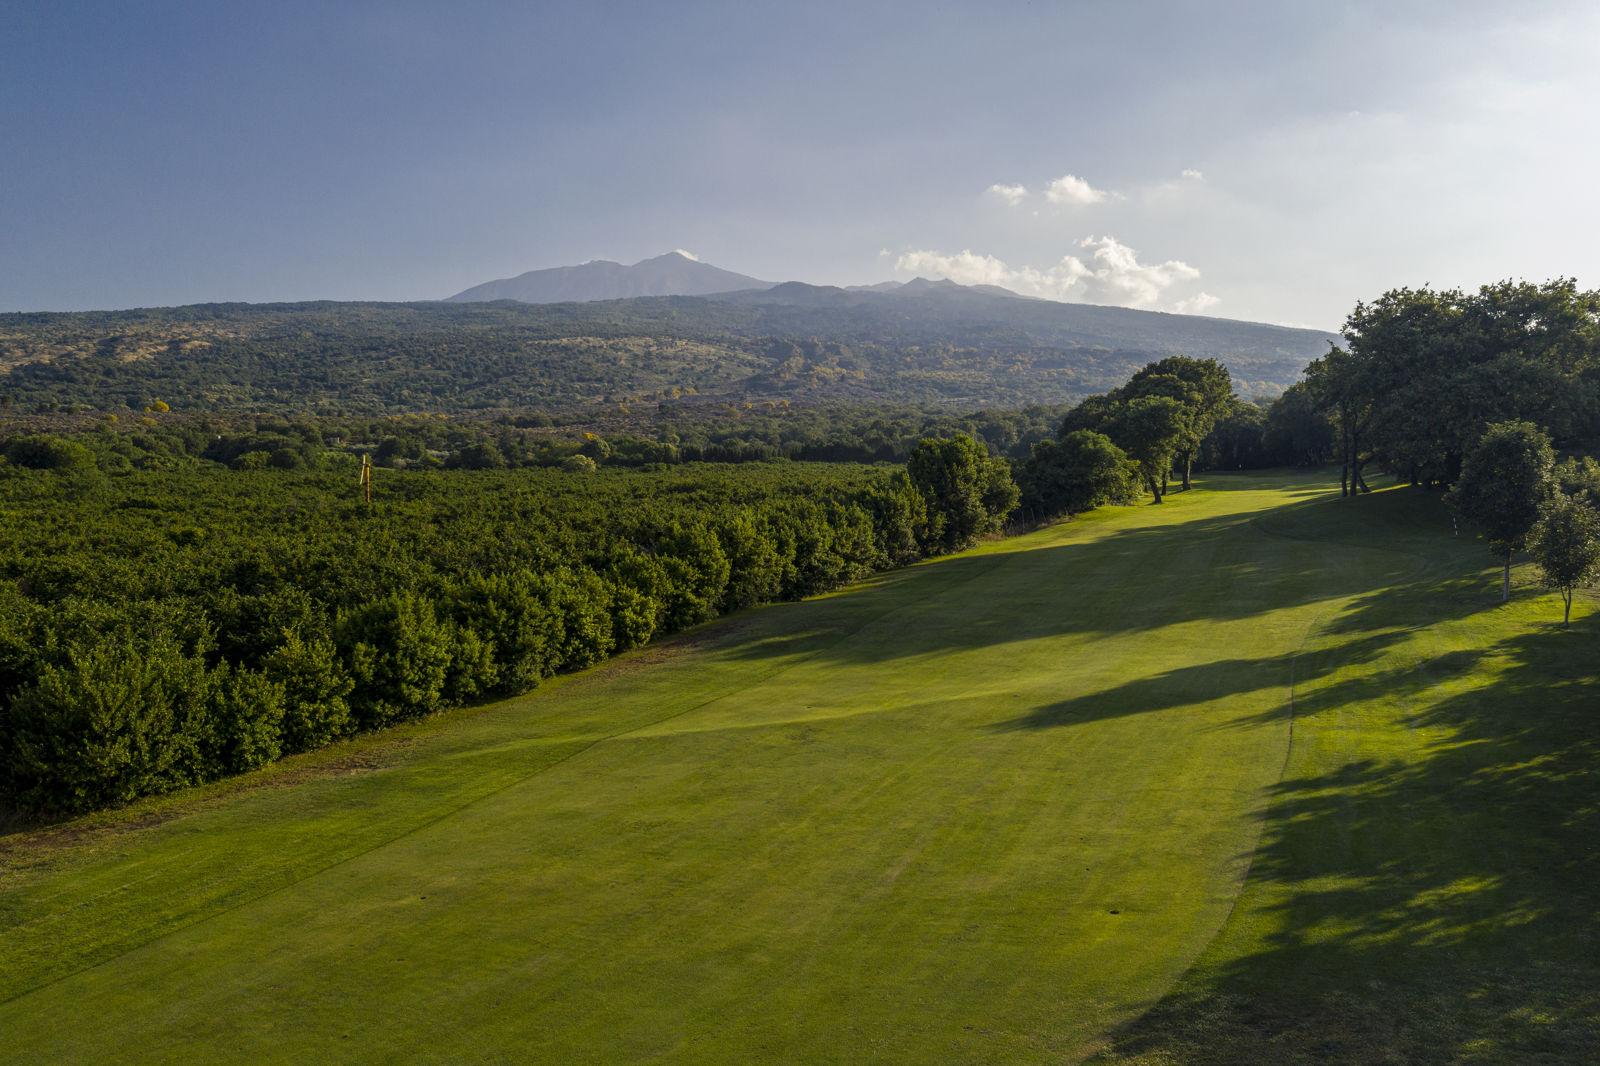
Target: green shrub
114,722
399,655
246,721
316,690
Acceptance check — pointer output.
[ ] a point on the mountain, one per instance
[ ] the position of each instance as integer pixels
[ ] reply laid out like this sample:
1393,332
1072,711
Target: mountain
927,286
990,317
939,343
800,294
673,274
946,287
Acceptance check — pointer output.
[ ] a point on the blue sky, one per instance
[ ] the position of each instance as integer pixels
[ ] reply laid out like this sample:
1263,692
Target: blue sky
173,153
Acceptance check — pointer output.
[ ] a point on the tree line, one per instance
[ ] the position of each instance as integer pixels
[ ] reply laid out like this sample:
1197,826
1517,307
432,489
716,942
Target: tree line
1469,392
1172,417
1474,392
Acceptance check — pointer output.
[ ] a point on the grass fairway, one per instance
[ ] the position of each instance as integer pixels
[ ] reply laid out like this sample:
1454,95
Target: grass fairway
1258,775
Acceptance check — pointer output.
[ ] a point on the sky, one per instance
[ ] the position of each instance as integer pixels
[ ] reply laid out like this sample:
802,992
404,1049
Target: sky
1274,161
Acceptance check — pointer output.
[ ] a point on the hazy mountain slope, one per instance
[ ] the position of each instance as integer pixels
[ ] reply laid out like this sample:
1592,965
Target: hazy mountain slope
673,274
804,343
927,308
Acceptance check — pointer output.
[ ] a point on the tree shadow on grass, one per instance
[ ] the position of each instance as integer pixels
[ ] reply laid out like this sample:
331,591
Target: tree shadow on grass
1220,568
1188,685
1437,906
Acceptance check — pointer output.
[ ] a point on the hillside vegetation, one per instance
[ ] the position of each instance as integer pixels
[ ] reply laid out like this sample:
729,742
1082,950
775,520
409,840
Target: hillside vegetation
1259,775
795,342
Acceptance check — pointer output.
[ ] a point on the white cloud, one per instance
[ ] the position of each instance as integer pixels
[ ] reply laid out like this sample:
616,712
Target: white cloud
1199,303
1113,275
1119,276
687,254
1071,189
1193,174
964,268
1011,194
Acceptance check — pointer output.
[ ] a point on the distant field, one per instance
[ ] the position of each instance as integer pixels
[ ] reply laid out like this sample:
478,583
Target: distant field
1258,775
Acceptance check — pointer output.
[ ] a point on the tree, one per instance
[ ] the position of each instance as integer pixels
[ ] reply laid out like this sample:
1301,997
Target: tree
1238,440
900,518
1504,481
1566,544
246,720
1425,372
1338,386
1580,477
1205,389
968,492
1149,429
1077,473
1297,432
1094,412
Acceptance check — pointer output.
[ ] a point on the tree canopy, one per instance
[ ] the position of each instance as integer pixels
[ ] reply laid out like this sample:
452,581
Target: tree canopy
1566,544
1505,479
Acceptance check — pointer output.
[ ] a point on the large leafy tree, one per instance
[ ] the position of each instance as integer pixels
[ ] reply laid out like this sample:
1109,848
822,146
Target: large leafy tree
1426,372
1238,441
1150,429
1505,480
1340,385
1296,431
1077,473
1566,545
1202,386
968,491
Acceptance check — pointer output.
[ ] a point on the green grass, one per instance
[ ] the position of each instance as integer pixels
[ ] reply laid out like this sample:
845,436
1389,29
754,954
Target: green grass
1259,775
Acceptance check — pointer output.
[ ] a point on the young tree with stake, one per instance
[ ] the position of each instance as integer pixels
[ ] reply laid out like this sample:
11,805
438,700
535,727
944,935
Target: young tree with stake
1506,478
1566,545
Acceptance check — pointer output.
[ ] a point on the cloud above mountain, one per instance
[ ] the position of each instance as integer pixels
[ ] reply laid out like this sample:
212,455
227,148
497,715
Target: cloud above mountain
1197,304
1112,274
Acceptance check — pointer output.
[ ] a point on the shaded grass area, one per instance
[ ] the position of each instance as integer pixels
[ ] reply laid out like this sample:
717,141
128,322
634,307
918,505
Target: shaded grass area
990,808
1425,888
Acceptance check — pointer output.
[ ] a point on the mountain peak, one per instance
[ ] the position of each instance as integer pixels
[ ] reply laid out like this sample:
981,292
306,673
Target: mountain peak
677,255
674,273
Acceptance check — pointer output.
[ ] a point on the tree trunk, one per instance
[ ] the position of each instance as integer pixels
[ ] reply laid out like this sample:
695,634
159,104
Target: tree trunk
1155,489
1357,482
1566,608
1188,465
1505,581
1344,454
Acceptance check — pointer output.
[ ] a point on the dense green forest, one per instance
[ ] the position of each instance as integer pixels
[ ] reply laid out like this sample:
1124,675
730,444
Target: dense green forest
347,358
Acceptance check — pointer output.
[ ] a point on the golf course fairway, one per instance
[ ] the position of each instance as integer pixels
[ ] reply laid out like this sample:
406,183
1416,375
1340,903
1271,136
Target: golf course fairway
1256,775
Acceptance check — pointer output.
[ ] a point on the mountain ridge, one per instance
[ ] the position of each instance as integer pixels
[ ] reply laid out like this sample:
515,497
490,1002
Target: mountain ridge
941,343
671,274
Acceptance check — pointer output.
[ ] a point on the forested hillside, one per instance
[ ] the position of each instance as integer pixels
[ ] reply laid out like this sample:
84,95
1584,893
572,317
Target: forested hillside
802,343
